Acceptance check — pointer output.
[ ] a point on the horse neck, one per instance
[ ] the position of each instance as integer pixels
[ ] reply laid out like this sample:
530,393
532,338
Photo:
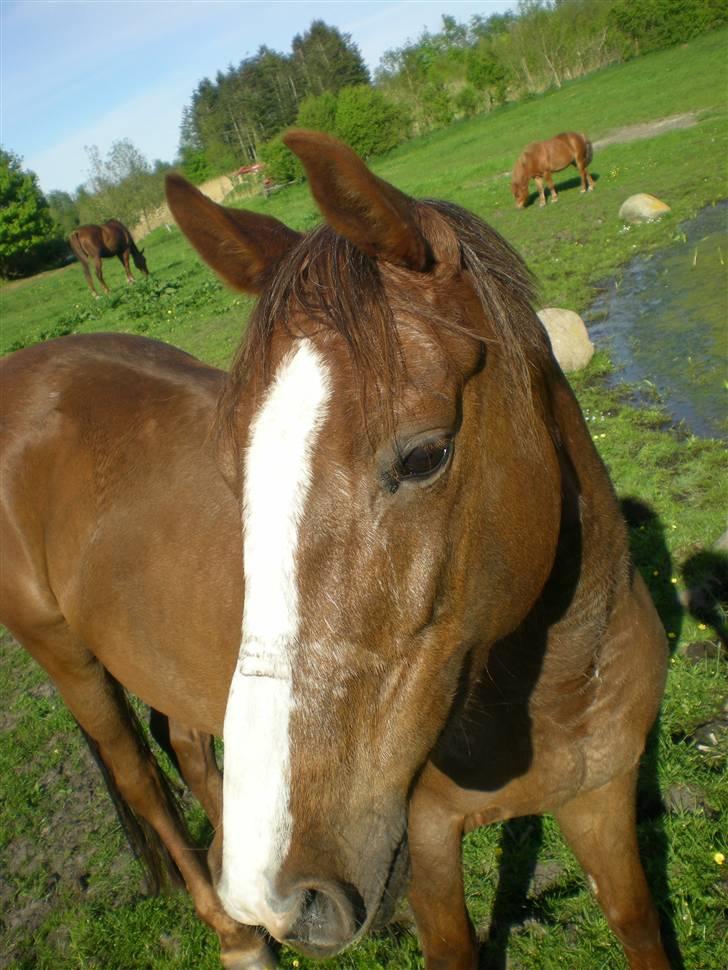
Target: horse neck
136,255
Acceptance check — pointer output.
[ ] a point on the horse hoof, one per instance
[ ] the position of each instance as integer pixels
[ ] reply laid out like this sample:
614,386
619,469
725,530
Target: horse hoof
554,200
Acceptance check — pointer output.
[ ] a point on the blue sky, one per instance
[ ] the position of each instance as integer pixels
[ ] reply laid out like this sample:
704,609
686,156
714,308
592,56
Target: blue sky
87,72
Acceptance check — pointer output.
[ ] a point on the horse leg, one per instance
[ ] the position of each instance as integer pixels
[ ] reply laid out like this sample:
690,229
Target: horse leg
198,765
436,891
193,755
97,702
87,275
601,829
587,182
539,185
552,187
99,274
124,260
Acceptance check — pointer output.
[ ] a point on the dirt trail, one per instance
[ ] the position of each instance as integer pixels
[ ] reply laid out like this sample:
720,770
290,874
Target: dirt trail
646,129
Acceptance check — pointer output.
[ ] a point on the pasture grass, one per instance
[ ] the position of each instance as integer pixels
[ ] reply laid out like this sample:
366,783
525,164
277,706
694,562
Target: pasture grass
70,892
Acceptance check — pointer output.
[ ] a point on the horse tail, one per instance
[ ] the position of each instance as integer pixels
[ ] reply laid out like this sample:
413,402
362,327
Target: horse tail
160,872
74,241
588,151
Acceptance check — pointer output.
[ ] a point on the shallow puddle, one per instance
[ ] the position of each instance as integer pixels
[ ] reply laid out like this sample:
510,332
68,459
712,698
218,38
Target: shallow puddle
665,323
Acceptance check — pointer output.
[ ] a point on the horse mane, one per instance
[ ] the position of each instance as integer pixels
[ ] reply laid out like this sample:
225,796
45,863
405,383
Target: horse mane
519,169
342,290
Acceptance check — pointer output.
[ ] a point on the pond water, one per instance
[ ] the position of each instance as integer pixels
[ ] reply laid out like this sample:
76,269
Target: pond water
665,323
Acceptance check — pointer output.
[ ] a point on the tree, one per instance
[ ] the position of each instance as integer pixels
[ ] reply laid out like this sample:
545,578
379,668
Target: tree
123,185
327,60
64,211
486,73
28,238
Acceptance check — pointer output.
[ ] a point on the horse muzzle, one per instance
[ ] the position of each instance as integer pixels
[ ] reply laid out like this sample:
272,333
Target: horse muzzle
319,920
329,918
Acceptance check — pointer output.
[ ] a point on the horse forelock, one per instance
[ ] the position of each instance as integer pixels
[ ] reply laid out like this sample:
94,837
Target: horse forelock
327,287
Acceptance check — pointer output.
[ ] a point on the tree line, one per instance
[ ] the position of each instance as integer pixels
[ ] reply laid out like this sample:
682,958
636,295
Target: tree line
237,118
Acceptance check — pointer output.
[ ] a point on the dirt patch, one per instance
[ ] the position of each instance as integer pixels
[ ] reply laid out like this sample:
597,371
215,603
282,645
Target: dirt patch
61,842
647,129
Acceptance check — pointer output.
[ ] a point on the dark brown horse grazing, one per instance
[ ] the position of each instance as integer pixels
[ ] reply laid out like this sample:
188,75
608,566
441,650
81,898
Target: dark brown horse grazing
538,160
395,498
99,242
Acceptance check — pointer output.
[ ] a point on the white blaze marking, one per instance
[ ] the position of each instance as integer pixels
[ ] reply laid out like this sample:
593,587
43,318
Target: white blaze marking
256,817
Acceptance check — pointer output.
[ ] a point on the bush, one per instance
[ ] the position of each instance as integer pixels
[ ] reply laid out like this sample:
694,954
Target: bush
467,101
654,24
437,105
281,165
367,122
318,113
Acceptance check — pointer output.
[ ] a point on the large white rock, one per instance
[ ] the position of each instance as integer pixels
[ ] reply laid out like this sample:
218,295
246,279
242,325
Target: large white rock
569,338
642,208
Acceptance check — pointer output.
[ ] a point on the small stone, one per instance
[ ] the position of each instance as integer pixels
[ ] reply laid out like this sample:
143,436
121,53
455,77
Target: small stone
569,338
700,650
683,798
642,207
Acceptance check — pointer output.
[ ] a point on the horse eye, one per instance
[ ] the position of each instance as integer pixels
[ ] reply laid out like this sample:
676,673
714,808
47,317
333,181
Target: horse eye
424,460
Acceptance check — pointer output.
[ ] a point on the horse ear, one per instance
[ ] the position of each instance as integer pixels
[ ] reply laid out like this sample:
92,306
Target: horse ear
365,209
242,247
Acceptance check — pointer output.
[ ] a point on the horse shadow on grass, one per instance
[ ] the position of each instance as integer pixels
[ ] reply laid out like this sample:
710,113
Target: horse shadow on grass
562,186
526,888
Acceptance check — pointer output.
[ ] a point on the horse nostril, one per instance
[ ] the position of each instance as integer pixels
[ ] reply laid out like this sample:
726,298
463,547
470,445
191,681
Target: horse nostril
328,920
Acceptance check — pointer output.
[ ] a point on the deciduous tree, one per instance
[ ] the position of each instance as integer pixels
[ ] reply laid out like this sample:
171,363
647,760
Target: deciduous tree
28,237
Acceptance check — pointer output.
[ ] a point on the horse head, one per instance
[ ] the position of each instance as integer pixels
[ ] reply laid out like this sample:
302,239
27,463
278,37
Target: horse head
387,429
519,183
140,260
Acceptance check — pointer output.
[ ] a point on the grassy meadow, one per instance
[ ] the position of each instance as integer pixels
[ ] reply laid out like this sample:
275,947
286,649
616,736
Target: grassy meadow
70,896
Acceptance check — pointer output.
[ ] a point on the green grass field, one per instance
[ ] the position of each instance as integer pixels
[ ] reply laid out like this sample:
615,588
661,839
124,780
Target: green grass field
70,895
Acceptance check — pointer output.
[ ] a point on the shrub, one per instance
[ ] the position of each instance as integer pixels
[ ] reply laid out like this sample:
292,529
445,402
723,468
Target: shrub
318,113
281,165
653,24
467,101
368,122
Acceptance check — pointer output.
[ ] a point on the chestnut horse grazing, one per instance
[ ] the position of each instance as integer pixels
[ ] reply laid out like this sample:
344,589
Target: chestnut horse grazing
99,242
381,557
539,159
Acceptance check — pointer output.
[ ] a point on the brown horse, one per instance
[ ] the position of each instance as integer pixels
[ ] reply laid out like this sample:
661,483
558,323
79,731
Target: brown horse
381,557
99,242
538,160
